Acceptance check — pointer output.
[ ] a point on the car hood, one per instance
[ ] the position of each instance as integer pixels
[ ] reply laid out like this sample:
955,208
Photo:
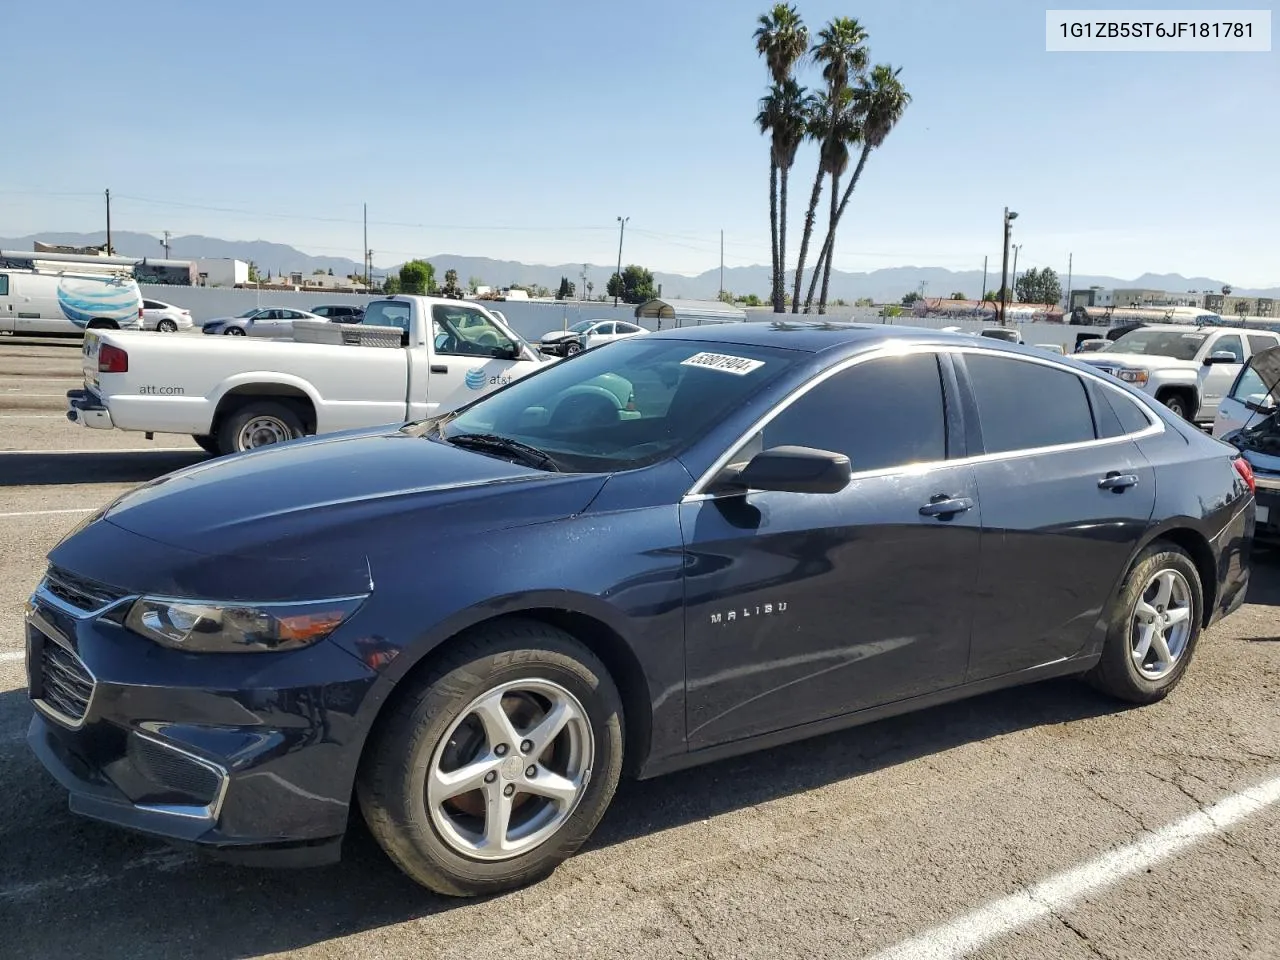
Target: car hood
560,335
1111,358
311,516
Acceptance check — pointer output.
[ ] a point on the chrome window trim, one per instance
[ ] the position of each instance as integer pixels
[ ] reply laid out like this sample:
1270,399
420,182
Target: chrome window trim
1155,426
213,809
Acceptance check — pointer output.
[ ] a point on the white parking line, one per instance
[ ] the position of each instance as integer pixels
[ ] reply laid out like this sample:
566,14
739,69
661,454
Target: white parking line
11,656
32,416
1050,897
45,513
71,450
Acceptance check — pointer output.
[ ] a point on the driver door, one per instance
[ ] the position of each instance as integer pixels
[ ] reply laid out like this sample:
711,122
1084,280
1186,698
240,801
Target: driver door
1216,378
470,356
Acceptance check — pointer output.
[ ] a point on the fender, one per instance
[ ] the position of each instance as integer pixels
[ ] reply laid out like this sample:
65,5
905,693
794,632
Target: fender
264,377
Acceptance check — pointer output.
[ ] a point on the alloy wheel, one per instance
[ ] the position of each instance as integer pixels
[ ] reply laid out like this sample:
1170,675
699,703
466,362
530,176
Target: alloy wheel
510,770
1161,624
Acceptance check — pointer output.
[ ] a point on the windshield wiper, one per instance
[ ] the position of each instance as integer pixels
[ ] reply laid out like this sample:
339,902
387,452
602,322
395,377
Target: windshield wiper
491,441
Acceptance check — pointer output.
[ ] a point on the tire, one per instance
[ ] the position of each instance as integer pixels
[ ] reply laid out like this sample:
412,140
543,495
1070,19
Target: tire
207,442
234,332
1177,403
279,423
572,348
422,725
166,326
1118,673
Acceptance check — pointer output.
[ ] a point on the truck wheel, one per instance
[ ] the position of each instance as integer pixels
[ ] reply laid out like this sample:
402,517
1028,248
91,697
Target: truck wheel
256,424
207,442
495,765
1177,403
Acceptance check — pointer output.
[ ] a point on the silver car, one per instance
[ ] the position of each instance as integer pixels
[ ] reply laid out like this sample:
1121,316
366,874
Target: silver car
260,322
164,317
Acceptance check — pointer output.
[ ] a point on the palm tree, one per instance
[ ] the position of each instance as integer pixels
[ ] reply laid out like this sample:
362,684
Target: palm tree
782,39
841,49
782,116
879,101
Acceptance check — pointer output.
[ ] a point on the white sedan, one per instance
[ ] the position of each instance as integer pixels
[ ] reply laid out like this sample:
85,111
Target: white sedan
586,334
164,317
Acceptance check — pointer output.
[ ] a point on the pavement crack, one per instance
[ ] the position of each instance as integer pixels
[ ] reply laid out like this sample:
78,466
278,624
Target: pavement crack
1084,937
1113,803
1177,785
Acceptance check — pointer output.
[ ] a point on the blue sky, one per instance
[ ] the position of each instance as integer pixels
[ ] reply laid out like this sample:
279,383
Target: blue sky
518,130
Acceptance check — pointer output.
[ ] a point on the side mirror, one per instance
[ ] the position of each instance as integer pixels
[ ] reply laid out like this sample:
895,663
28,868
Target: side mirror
1220,356
796,470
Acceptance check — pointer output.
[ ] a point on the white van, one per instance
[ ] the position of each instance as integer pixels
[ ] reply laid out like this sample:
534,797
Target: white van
43,302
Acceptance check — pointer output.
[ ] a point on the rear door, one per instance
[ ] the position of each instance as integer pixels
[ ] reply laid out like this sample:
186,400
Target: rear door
1064,501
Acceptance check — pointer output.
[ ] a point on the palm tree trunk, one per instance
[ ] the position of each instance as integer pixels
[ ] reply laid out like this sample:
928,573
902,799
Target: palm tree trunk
804,240
824,255
779,306
773,222
831,236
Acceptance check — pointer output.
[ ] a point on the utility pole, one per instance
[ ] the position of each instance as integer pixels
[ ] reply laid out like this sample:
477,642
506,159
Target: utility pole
1009,216
1013,281
982,294
109,249
1070,257
622,229
582,294
165,243
367,259
721,263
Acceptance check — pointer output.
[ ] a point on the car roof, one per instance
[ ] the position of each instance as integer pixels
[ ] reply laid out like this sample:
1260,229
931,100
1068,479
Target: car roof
817,336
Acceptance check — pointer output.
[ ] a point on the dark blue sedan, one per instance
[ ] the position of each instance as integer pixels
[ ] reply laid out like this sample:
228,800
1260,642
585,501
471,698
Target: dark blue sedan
665,551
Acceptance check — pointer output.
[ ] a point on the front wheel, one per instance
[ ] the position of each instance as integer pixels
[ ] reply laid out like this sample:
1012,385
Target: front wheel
572,348
1154,626
234,332
495,764
1177,404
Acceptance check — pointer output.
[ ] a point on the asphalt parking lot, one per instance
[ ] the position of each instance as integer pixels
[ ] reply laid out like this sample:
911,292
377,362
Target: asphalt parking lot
1038,822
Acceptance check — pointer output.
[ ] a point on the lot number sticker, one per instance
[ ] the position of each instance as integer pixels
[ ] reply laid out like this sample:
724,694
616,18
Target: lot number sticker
724,362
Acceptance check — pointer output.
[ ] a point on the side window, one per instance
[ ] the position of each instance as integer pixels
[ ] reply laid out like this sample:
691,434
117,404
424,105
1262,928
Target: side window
466,332
1229,343
1260,342
1126,411
604,330
1024,405
883,413
147,304
4,284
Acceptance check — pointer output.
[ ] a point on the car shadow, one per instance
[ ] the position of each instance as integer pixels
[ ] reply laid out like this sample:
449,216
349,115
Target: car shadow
365,891
127,466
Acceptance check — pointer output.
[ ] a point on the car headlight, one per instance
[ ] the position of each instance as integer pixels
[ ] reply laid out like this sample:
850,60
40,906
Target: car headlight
203,627
1132,376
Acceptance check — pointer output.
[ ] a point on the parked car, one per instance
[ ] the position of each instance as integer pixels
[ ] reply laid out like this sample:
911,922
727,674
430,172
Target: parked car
233,397
587,334
1092,345
164,317
276,322
473,624
339,312
1248,419
67,304
1008,334
1188,369
1050,347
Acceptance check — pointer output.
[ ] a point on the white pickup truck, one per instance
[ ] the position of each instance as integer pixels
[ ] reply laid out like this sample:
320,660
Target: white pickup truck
411,357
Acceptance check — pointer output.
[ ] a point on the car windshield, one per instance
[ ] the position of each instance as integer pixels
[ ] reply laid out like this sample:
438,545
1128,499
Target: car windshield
582,326
1160,343
633,404
249,313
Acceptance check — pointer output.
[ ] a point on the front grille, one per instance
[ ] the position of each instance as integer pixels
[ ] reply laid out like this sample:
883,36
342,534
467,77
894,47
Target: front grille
81,593
59,679
174,770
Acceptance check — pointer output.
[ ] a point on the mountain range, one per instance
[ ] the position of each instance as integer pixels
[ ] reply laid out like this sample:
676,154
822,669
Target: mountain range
887,284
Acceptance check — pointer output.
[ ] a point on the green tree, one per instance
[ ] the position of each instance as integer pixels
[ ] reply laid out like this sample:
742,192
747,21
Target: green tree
751,300
635,285
879,102
782,39
910,298
451,288
841,49
567,289
417,277
391,285
254,276
474,284
957,295
1039,286
864,302
992,295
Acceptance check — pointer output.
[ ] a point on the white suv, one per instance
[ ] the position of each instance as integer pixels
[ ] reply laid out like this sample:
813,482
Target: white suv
1187,368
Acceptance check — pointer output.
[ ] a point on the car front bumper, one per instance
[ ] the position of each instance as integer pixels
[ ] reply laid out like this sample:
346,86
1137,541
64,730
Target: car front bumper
249,756
1267,497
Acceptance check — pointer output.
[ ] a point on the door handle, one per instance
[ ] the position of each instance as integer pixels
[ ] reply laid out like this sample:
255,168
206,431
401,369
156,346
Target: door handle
1119,482
439,368
944,506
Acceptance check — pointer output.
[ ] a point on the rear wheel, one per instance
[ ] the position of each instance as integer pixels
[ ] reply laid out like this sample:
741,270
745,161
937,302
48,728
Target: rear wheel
258,423
496,764
1177,403
167,326
1154,626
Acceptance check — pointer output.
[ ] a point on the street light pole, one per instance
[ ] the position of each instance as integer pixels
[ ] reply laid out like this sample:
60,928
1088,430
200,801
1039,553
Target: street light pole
1009,216
622,229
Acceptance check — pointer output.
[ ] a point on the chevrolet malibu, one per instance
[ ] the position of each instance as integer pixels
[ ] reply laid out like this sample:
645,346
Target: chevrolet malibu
690,545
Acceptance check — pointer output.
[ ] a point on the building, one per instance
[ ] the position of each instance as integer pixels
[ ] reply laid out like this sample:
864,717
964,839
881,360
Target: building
1141,297
221,272
1093,297
1227,305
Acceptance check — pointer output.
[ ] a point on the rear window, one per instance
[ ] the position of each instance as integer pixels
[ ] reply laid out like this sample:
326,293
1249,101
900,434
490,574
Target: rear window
388,313
1024,405
4,284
